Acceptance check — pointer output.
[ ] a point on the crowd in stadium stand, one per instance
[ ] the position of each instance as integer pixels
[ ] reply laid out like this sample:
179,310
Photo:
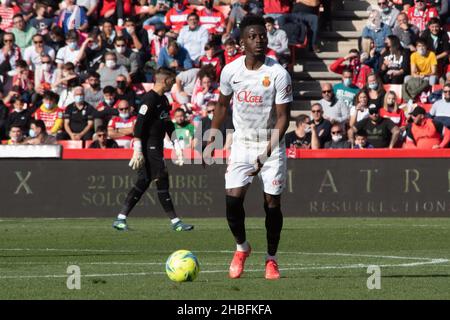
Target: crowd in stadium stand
75,70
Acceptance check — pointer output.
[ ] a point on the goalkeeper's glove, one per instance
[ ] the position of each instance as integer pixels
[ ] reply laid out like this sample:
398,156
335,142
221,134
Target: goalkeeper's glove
178,153
137,161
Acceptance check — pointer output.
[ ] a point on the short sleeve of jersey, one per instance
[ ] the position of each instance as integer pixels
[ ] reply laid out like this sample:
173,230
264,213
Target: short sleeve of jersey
67,113
225,81
283,87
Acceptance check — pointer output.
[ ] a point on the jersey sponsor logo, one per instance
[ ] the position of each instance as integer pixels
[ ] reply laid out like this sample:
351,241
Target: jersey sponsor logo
266,81
246,96
143,109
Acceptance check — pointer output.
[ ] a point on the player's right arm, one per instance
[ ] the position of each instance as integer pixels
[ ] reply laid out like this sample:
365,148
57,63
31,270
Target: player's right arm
137,161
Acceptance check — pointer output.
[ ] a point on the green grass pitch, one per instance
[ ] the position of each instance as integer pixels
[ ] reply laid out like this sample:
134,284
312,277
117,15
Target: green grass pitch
323,258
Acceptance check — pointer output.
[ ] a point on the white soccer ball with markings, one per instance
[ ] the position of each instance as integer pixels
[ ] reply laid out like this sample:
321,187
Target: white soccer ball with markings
182,265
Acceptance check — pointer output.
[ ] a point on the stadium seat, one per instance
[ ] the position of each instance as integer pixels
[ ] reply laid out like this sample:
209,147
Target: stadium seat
71,144
196,7
293,48
397,88
426,106
4,142
436,87
88,143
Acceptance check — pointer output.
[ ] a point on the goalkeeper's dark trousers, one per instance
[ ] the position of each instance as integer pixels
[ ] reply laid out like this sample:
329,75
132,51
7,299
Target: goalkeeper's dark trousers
152,170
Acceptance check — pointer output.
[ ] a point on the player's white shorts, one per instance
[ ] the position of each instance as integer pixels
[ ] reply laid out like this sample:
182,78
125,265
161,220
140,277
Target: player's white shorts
242,161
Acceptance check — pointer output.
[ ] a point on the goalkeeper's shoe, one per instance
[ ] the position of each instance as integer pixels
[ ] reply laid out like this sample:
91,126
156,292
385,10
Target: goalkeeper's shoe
237,264
272,272
180,226
120,224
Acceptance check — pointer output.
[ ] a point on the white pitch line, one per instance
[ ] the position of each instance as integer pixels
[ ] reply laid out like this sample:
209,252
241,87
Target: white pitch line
352,266
224,251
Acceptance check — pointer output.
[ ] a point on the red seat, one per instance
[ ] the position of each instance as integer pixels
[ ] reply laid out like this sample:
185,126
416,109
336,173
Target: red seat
436,87
88,143
397,88
293,48
426,106
71,144
196,7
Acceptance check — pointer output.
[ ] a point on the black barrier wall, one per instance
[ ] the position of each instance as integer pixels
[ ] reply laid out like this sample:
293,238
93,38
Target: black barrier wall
314,188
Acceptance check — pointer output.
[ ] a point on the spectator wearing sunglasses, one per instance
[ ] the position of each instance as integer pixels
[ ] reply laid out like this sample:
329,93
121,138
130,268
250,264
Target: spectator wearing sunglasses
333,109
338,138
321,125
33,54
381,132
103,142
22,32
389,12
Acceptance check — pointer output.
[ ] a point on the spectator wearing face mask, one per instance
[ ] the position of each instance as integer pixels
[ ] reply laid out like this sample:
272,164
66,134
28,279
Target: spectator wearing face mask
107,108
388,12
45,75
124,92
69,53
126,57
375,90
423,69
346,90
38,134
353,62
420,14
338,139
212,19
120,127
110,70
301,137
376,30
50,114
231,51
78,118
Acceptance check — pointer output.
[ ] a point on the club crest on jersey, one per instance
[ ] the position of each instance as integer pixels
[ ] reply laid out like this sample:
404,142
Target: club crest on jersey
143,109
266,81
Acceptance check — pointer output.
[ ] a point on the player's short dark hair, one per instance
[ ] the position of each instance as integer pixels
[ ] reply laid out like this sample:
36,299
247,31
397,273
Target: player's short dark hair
40,124
251,20
101,128
94,74
269,20
230,42
109,89
179,110
346,69
168,72
50,95
303,118
361,133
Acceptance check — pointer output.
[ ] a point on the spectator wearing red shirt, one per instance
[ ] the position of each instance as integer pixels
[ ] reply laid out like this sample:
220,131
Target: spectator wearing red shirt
391,110
107,108
159,41
209,58
176,17
360,71
421,13
231,51
50,113
276,8
7,12
425,133
212,19
120,128
116,9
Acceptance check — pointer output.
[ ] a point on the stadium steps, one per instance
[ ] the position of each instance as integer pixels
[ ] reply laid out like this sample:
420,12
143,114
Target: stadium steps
348,19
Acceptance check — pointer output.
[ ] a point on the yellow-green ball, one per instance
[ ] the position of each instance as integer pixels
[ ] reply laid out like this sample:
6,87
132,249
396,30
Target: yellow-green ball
182,265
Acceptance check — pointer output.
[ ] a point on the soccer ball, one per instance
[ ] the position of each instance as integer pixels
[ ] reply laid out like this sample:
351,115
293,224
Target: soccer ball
182,265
